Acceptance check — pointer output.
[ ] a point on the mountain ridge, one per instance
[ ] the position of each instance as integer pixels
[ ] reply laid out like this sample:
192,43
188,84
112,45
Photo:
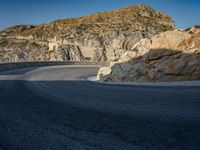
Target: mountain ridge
96,37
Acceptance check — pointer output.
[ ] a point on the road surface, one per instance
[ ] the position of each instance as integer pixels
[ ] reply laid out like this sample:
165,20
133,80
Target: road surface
55,108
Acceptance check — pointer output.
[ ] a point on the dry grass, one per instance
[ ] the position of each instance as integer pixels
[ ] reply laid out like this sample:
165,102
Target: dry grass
123,19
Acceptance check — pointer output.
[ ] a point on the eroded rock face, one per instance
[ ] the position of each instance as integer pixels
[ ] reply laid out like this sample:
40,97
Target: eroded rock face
169,56
97,37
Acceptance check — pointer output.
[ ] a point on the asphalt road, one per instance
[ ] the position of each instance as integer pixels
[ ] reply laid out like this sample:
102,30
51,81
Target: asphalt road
55,108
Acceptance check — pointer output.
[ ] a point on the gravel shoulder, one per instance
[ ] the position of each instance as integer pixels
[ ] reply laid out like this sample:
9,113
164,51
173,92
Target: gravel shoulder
175,83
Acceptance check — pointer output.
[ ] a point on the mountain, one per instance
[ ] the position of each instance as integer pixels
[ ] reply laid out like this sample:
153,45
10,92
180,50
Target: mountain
97,37
168,56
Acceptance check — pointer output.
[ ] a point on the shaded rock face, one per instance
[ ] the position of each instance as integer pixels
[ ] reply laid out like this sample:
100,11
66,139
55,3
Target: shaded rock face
97,37
169,56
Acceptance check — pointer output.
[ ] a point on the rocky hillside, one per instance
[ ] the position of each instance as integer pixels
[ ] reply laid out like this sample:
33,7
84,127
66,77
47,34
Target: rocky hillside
169,56
97,37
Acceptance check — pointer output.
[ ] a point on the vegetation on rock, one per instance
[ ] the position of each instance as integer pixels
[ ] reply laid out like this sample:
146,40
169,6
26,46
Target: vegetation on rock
96,37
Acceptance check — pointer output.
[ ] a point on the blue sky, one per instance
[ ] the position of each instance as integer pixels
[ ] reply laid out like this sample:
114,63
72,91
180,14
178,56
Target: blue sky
12,12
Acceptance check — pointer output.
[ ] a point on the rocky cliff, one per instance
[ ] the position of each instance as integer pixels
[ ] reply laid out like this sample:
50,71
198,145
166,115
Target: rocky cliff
169,56
97,37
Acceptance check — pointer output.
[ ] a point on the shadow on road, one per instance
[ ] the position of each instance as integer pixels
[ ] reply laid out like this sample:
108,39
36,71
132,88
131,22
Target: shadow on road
63,114
18,71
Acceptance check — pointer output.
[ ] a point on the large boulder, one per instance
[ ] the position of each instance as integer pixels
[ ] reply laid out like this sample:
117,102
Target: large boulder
97,37
169,56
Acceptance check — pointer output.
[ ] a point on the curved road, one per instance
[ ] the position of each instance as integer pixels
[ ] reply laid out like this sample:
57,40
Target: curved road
52,108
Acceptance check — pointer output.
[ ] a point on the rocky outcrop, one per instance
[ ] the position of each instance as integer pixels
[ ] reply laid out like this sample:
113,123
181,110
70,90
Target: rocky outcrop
169,56
193,29
97,37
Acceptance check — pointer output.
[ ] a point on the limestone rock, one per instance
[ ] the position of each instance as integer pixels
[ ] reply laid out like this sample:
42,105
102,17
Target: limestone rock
169,56
193,29
97,37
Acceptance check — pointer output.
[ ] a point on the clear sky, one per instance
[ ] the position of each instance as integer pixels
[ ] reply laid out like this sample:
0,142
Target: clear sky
12,12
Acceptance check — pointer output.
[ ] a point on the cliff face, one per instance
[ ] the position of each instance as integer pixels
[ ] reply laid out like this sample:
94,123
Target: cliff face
169,56
97,37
